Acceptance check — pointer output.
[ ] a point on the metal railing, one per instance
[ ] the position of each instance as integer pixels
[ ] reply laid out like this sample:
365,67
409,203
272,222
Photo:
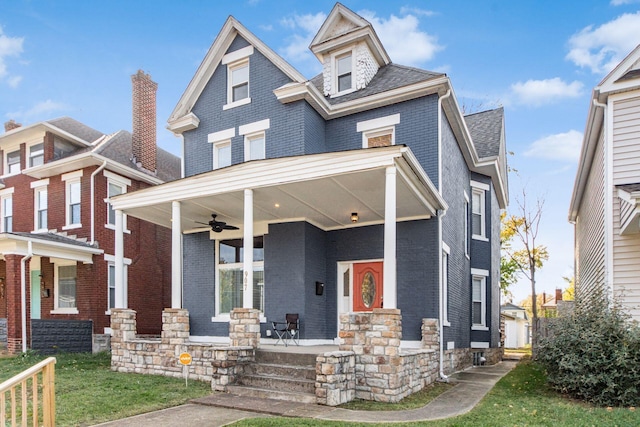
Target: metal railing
30,396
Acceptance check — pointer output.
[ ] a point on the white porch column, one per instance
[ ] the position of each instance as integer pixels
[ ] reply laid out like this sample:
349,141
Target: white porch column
389,291
120,301
247,265
176,255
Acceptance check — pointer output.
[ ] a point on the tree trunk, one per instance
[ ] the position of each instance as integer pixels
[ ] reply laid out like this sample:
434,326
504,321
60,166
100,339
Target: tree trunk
534,311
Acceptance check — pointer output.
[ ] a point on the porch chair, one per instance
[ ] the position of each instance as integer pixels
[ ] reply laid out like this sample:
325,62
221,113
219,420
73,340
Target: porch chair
287,331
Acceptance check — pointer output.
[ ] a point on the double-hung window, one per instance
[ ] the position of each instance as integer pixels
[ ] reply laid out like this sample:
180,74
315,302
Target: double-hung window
36,155
116,185
40,203
229,277
238,77
478,210
13,162
254,139
111,281
6,206
221,141
479,299
344,68
73,198
65,300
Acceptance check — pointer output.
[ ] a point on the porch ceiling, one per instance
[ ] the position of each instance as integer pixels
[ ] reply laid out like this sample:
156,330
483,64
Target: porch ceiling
323,189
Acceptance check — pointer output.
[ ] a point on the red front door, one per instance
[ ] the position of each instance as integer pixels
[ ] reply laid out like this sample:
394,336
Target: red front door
367,286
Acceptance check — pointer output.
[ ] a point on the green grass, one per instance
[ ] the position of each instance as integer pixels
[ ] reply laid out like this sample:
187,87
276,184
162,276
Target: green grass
88,392
414,401
521,398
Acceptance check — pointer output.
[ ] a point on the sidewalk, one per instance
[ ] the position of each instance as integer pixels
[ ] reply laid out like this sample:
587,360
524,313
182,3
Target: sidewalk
220,409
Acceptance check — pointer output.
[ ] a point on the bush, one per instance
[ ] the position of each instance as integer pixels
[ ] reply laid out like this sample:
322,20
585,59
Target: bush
594,354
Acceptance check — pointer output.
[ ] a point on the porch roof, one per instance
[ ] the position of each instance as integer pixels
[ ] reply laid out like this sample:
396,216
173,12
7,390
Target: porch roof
47,245
323,189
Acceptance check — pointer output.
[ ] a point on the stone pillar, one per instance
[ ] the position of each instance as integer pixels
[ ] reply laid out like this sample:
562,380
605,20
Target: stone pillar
244,327
175,326
123,326
430,334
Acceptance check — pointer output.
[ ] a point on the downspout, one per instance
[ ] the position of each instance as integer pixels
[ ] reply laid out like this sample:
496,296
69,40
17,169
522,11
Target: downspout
23,293
441,215
93,201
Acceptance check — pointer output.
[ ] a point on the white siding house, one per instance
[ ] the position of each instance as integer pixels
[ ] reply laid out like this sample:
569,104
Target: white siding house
605,206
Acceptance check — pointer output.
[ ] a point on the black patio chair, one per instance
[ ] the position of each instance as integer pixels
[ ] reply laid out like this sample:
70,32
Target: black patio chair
287,331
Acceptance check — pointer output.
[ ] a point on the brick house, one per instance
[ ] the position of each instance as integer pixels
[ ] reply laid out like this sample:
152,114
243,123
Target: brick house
57,228
363,187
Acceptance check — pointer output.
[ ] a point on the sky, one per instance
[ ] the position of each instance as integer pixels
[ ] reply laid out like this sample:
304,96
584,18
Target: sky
539,59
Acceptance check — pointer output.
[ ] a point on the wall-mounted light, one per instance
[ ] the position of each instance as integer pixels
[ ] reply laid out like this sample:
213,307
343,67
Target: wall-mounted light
354,217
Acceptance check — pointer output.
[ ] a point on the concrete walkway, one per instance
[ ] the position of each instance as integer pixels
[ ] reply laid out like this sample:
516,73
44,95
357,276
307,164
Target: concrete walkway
220,409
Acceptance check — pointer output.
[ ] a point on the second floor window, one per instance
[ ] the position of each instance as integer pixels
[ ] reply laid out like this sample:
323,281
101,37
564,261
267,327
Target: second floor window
255,147
73,204
13,162
222,154
7,214
36,155
41,209
114,190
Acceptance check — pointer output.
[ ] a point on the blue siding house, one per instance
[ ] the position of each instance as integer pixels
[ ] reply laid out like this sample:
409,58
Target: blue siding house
363,187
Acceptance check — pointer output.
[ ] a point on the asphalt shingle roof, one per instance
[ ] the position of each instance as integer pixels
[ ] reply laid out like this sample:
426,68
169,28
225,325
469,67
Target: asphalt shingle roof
486,131
76,128
52,237
389,77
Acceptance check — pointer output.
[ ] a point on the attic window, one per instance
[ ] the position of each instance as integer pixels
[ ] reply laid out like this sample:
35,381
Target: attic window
344,68
237,63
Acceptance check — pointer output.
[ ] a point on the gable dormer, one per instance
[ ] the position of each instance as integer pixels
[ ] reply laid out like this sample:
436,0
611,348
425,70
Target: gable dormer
350,52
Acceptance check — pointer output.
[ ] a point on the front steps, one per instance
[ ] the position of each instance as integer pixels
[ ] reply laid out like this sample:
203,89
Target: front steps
282,376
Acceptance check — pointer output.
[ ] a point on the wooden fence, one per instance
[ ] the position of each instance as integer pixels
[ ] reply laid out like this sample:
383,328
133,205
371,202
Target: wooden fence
28,399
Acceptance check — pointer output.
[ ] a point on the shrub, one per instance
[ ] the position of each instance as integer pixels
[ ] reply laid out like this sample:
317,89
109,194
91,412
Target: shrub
593,354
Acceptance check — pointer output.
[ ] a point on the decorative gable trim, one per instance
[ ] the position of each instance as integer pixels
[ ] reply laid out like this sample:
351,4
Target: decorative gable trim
624,77
210,63
629,211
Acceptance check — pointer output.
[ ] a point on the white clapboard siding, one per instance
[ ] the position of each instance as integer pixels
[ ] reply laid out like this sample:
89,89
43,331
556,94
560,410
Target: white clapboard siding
590,230
626,143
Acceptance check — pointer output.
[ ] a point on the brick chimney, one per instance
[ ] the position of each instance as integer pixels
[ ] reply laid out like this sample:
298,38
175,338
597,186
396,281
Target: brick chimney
144,121
558,295
11,125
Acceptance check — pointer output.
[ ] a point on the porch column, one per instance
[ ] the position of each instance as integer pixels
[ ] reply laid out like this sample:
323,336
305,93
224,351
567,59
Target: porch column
120,301
247,265
389,292
176,255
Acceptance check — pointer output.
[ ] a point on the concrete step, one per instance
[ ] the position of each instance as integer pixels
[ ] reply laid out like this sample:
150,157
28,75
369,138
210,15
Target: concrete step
270,382
272,394
274,357
277,370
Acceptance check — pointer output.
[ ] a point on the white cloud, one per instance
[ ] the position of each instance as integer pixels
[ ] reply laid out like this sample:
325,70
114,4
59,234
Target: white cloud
14,81
297,49
540,92
602,48
621,2
561,146
41,111
405,43
416,11
9,46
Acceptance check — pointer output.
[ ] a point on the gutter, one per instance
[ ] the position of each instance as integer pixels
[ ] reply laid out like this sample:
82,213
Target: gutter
23,293
93,201
441,215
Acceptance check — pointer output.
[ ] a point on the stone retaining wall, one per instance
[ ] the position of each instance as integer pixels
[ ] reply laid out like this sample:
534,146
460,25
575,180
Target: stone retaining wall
217,364
335,378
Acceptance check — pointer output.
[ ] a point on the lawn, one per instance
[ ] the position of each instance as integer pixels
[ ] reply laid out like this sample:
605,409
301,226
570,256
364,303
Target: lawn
88,392
521,398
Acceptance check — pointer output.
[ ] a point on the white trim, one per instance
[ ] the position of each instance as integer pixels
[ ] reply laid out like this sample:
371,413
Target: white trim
7,191
40,183
248,139
378,123
391,130
112,258
444,259
479,344
221,135
335,88
451,345
254,127
71,175
237,55
3,197
480,185
115,177
243,101
479,272
216,152
446,248
231,67
37,190
482,193
56,287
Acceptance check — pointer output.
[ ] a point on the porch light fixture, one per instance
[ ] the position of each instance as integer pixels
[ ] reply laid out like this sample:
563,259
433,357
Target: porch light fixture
354,217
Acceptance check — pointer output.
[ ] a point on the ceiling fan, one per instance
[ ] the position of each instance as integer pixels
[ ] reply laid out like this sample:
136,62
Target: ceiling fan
218,226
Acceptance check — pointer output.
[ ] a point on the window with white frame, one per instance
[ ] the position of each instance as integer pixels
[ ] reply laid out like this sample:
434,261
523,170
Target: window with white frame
111,280
445,284
229,277
222,154
72,199
237,63
478,210
254,139
467,242
116,185
65,300
378,132
13,162
343,72
41,208
6,201
479,299
36,155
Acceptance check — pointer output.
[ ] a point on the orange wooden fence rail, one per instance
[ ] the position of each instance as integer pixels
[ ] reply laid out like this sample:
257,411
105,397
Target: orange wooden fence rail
20,397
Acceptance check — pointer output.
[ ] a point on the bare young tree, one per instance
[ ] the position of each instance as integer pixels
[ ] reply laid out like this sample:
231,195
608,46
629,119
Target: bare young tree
527,255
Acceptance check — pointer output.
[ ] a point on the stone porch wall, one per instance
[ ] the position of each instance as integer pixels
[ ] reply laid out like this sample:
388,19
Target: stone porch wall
217,364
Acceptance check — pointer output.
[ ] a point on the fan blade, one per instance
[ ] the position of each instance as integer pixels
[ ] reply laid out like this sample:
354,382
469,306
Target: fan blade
230,227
